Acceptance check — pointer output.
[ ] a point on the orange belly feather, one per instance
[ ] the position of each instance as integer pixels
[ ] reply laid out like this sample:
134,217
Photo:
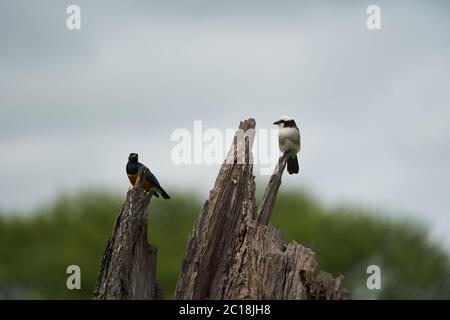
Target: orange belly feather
146,185
132,178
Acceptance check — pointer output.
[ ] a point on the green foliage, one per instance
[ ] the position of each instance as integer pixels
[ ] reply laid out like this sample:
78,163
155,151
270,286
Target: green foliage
36,249
347,240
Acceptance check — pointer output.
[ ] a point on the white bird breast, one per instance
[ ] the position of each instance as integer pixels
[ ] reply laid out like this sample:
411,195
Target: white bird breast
289,140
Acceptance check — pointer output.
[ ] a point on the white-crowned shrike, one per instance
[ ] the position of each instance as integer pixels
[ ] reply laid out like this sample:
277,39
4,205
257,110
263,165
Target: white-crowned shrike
289,141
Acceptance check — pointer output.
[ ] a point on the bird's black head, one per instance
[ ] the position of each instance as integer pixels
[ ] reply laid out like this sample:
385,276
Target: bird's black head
285,122
133,157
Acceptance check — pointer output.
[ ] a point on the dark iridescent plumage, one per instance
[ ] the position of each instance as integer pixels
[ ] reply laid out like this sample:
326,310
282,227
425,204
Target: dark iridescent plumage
150,181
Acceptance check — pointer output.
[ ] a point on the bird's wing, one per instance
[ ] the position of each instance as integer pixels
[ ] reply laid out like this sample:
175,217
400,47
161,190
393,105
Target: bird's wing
151,177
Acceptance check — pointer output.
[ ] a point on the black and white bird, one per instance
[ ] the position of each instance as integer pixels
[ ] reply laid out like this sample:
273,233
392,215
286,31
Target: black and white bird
289,141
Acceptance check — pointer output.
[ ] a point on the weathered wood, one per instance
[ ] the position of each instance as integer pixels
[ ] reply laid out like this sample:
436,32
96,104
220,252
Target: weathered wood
212,240
233,253
128,267
270,194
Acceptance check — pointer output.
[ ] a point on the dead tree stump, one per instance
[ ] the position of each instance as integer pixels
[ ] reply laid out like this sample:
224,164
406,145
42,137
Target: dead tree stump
128,266
233,253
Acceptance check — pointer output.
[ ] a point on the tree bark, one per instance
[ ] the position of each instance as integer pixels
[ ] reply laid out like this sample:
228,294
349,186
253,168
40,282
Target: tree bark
233,253
271,192
128,267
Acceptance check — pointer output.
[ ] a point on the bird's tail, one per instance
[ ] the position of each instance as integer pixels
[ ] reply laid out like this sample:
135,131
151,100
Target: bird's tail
164,194
292,165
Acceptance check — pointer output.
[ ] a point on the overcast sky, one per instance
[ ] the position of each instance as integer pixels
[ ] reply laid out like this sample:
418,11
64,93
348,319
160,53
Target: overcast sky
372,106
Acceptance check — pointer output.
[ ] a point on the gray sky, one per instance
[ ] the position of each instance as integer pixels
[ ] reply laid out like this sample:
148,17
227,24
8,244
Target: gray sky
372,106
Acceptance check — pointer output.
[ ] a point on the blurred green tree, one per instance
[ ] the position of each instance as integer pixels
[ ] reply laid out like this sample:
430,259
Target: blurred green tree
36,249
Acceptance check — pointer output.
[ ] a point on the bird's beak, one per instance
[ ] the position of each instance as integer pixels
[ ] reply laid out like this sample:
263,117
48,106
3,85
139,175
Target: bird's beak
276,122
